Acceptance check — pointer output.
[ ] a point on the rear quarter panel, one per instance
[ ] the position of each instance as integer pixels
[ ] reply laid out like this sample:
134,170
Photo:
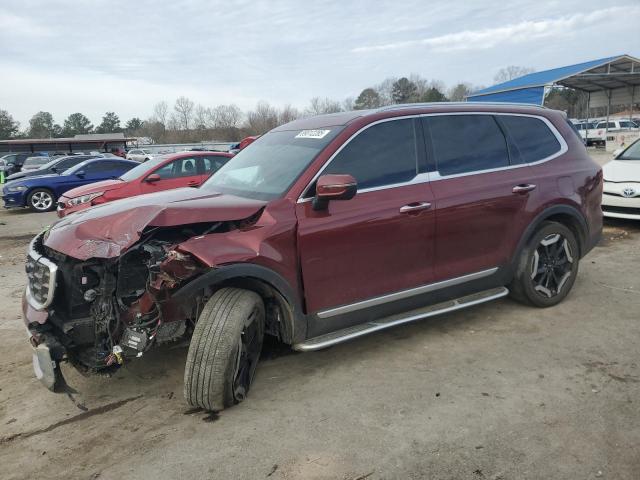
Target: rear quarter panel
573,179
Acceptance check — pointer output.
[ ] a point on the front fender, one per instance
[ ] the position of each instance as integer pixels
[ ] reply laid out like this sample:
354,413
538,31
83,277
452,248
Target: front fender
182,299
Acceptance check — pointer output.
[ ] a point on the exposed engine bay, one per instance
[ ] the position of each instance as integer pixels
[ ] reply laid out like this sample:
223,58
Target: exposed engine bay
104,311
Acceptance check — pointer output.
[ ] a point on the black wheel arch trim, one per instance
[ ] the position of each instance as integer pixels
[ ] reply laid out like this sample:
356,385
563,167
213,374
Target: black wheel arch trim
220,275
583,239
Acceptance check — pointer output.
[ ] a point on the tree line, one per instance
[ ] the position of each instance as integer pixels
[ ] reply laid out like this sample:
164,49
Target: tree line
186,121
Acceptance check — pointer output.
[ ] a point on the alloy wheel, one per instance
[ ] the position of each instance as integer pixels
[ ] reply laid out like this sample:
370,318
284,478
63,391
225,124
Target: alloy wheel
41,200
552,265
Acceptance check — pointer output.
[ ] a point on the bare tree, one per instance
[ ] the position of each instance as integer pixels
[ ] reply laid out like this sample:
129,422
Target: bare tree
421,83
160,112
226,116
319,106
287,114
262,119
384,89
201,117
184,111
459,92
512,71
348,104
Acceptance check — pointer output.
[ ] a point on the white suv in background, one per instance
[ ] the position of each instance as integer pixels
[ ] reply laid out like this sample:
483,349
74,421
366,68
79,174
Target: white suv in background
615,125
139,155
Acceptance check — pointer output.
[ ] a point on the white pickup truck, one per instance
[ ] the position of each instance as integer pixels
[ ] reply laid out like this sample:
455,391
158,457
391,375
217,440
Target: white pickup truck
595,133
589,134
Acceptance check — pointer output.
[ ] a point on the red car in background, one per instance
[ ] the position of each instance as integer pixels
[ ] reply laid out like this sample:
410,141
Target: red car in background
187,169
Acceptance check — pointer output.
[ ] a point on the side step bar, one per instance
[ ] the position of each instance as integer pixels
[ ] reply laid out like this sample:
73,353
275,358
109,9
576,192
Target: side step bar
356,331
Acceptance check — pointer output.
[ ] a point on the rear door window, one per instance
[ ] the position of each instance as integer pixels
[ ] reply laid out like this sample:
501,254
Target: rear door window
183,167
466,143
213,163
383,154
531,138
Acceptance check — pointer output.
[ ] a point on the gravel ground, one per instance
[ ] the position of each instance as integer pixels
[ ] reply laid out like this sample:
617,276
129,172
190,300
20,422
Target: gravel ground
500,391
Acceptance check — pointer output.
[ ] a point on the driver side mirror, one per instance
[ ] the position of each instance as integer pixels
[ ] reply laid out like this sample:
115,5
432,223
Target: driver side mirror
80,174
333,187
154,177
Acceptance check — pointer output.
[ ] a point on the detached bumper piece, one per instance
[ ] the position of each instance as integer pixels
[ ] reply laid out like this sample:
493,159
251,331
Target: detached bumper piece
46,366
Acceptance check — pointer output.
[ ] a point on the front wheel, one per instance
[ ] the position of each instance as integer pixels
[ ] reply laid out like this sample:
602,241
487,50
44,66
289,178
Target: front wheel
224,349
41,200
548,266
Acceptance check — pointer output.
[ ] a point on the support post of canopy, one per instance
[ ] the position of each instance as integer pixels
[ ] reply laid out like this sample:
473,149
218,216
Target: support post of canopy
606,130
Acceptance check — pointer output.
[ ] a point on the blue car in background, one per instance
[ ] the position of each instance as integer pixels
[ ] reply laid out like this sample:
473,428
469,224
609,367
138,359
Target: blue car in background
41,192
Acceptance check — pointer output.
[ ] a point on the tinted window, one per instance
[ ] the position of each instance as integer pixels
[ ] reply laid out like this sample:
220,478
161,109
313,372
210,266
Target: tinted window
183,167
102,167
383,154
531,137
213,163
467,143
68,163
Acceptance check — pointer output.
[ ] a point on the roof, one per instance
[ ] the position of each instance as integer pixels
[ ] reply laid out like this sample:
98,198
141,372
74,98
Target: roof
78,139
344,118
99,136
596,75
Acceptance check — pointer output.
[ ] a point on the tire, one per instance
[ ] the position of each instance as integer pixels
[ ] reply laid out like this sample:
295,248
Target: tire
556,266
41,200
224,350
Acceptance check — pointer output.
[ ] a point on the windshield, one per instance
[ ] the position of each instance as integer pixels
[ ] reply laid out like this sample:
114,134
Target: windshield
631,153
36,161
268,167
143,168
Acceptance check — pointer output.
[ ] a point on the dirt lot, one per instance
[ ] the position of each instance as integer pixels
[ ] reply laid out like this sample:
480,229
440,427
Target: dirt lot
500,391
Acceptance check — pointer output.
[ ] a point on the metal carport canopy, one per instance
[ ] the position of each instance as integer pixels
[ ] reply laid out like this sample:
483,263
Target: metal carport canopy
611,80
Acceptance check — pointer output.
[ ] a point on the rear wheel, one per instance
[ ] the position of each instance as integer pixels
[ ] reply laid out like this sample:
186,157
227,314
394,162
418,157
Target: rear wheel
548,266
41,200
224,349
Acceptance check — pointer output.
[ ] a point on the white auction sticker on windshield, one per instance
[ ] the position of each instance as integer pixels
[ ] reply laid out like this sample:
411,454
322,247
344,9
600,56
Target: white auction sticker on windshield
313,134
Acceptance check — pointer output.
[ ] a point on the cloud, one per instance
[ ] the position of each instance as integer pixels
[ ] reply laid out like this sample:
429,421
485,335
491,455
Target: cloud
515,33
22,26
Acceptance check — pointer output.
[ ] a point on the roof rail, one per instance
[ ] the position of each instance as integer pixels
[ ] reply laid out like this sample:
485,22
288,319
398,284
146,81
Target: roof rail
435,104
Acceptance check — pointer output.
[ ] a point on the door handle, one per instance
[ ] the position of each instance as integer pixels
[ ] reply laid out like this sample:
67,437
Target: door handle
414,207
193,184
523,188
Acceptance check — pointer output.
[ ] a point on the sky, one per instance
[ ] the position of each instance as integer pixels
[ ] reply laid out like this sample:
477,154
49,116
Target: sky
66,56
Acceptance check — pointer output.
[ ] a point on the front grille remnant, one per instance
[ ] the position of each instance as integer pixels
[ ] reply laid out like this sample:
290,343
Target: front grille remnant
41,278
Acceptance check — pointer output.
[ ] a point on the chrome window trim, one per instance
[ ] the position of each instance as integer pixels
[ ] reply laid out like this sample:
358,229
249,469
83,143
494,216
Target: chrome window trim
564,148
414,180
391,297
435,175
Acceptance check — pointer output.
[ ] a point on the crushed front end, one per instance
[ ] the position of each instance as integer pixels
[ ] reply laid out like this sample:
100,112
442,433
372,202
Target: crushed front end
99,312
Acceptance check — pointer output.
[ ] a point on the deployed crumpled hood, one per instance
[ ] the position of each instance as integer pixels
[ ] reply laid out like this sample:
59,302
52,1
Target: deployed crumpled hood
105,231
622,171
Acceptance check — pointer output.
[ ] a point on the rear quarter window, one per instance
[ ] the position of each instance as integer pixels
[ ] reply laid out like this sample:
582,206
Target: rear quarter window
532,138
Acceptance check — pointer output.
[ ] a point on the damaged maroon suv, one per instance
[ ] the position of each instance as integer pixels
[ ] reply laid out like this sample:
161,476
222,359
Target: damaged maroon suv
323,230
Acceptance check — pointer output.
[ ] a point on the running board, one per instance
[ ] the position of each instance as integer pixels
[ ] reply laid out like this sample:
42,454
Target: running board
356,331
